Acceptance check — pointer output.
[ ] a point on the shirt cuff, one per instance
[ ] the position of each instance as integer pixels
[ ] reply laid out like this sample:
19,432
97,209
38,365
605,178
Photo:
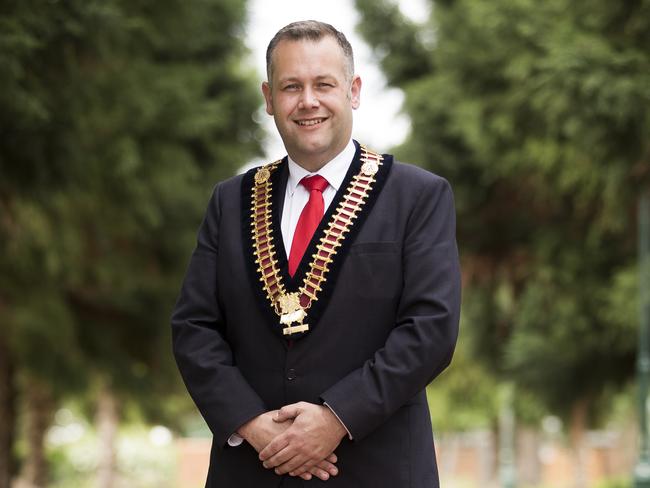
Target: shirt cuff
236,440
339,419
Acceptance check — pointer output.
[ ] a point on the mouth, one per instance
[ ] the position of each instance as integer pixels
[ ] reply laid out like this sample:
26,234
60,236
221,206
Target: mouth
310,122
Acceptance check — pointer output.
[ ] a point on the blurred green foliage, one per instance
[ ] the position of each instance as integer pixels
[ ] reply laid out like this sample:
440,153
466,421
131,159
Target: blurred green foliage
539,115
615,483
116,119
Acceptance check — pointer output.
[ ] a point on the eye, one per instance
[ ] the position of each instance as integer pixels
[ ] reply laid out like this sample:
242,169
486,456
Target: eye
324,84
291,87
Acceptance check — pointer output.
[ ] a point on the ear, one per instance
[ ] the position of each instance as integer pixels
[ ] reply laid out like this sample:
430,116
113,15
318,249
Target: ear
355,92
266,90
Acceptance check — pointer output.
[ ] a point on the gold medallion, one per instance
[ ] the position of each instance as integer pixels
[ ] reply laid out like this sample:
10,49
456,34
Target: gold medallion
291,311
262,175
369,168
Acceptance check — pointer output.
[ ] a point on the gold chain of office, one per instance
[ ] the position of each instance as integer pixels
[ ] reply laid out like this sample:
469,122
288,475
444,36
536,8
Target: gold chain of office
292,307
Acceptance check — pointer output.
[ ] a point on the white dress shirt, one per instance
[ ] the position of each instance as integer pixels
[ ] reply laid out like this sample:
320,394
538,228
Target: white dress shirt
296,197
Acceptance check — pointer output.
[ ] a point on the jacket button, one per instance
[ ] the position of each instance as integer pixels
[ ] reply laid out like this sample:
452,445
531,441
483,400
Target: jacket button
291,374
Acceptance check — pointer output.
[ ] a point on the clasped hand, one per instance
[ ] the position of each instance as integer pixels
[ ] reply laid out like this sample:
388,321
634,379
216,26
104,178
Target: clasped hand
298,439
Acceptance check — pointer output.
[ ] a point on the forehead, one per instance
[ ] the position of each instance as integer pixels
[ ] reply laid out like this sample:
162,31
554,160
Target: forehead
305,58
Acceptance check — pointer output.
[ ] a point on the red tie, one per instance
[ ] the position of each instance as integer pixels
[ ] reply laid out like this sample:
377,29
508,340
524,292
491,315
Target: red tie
309,219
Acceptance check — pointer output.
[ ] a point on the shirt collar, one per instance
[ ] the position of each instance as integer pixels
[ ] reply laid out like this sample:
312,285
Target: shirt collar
334,171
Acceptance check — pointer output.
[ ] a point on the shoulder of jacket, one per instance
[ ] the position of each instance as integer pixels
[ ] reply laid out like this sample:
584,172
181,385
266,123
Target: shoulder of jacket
416,176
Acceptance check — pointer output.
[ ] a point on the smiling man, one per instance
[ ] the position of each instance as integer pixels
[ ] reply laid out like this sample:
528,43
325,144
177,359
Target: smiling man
323,294
310,93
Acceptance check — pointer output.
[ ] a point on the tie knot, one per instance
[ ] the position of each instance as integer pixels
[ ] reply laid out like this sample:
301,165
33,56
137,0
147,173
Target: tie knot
316,182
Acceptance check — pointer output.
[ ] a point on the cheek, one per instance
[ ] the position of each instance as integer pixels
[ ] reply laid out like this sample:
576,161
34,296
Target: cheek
337,102
285,104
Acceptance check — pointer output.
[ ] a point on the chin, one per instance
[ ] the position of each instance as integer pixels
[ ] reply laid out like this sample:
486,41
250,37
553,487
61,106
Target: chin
313,147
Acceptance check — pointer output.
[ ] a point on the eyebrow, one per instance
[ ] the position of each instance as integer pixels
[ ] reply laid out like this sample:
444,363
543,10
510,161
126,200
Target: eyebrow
294,78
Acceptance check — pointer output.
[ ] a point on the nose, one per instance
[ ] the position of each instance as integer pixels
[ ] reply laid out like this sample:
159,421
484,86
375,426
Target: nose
308,99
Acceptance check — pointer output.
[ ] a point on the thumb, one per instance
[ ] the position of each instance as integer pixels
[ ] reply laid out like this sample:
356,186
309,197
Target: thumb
287,412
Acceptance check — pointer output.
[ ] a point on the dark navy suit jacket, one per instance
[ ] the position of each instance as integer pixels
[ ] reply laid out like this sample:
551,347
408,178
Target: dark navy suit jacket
386,326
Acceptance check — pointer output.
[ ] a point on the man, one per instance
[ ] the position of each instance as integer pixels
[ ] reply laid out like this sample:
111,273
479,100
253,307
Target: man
323,294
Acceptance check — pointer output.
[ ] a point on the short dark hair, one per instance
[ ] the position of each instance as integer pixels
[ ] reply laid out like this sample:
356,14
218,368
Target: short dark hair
311,30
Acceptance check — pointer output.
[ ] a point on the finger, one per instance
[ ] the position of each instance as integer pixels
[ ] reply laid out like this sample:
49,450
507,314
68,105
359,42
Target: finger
329,467
324,465
315,470
280,458
322,474
332,458
293,464
275,446
302,469
287,412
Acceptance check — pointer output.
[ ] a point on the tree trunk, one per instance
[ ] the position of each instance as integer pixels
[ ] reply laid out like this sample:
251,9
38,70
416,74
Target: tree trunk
39,407
7,414
107,423
577,429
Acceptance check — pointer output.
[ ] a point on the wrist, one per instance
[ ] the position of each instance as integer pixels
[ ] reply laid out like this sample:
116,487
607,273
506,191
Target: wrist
246,430
336,423
345,427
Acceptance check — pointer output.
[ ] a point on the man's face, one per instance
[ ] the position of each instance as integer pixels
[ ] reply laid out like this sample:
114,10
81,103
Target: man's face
311,99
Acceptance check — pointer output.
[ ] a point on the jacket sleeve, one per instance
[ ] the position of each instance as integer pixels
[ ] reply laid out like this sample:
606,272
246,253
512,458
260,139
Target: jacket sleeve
221,393
421,344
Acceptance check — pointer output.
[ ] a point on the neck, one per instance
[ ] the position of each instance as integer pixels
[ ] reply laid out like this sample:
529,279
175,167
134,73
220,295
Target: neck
315,162
311,166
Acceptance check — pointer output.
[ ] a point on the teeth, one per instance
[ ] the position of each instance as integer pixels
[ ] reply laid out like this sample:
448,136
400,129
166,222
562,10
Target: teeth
310,122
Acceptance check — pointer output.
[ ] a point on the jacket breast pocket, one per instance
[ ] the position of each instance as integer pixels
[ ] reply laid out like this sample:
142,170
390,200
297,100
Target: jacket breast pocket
376,268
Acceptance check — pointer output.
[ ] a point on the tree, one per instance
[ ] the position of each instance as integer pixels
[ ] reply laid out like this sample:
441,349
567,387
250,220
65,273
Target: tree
538,115
116,120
